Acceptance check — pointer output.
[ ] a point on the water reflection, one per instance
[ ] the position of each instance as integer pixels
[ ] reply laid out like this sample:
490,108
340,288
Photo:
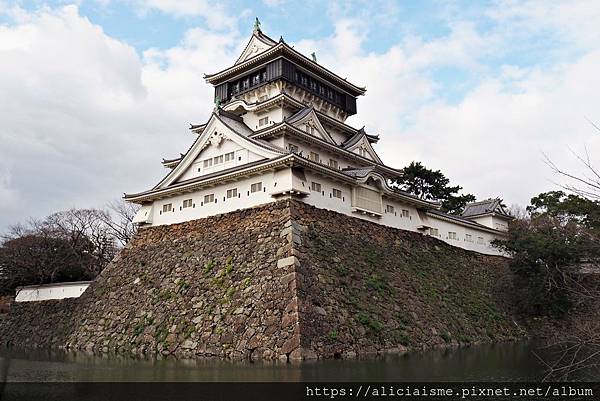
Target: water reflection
499,362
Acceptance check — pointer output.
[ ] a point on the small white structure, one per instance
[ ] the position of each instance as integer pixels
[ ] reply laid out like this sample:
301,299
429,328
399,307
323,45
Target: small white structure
278,131
47,292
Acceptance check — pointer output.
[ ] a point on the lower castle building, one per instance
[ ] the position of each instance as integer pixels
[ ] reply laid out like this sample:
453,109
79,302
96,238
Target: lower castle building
278,130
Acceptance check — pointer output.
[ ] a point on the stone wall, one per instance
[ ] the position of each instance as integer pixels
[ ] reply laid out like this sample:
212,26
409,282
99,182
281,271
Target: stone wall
281,281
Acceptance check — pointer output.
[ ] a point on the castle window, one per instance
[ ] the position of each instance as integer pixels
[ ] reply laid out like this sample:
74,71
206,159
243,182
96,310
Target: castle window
256,79
232,193
452,235
187,203
208,163
293,148
433,232
480,240
333,163
389,209
229,157
167,207
218,159
209,198
315,186
246,83
337,193
405,213
468,238
263,121
314,157
256,187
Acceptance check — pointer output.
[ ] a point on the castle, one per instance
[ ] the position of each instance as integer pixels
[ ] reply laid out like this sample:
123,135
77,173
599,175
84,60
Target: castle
278,130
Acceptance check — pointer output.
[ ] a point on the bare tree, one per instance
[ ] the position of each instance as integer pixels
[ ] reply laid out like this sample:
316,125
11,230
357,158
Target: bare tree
119,220
588,185
578,353
70,245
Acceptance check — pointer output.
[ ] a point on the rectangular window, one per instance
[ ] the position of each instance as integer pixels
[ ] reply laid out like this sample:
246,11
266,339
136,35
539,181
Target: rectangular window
218,159
405,213
333,163
263,121
187,203
208,163
480,240
167,207
452,235
389,209
315,186
337,193
314,157
468,238
232,193
256,187
209,198
293,148
434,232
229,157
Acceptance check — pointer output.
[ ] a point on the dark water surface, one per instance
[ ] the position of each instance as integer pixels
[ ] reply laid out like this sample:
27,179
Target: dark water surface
498,362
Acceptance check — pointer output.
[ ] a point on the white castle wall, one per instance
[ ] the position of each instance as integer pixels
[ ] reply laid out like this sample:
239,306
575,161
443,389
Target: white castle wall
51,291
276,182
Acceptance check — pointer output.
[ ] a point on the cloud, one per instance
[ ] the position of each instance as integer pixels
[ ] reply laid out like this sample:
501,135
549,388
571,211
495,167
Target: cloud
492,139
85,118
215,14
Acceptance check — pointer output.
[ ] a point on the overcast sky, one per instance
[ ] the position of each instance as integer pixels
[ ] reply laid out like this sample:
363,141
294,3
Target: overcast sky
94,94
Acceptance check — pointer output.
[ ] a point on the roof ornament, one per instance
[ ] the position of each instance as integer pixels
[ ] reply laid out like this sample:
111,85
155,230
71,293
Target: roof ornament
314,57
256,25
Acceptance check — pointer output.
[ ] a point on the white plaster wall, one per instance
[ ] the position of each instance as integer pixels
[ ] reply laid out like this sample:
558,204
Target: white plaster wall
305,149
242,156
51,291
251,118
282,180
444,227
484,221
221,204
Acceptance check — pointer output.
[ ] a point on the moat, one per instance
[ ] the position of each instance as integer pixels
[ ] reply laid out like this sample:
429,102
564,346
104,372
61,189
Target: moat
498,362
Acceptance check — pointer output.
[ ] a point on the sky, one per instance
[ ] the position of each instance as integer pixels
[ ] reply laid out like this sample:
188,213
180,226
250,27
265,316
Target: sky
93,94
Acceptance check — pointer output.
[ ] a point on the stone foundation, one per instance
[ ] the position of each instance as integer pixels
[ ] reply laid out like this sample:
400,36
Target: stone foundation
281,281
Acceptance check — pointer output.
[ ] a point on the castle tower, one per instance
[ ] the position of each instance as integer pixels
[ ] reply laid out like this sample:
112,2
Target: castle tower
278,130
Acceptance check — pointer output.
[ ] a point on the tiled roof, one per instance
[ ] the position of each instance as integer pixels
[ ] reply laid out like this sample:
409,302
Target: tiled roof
487,206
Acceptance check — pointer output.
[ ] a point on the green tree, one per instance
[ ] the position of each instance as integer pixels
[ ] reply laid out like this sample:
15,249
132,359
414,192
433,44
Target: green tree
433,185
548,249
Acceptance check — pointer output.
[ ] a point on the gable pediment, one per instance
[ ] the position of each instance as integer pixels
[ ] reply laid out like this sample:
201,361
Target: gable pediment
258,44
363,147
216,141
308,121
